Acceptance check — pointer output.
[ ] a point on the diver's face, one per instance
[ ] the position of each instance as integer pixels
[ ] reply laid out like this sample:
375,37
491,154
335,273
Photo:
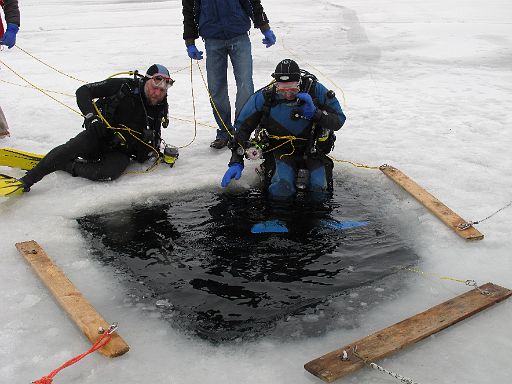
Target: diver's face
154,95
155,89
287,89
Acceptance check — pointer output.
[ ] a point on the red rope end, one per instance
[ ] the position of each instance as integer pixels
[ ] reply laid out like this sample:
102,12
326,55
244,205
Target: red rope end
43,380
103,340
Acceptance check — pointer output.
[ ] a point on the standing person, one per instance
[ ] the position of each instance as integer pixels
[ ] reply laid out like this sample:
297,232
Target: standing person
101,153
296,117
224,26
8,38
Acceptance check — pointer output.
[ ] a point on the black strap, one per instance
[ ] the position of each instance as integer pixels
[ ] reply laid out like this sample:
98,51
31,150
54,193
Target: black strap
269,95
109,105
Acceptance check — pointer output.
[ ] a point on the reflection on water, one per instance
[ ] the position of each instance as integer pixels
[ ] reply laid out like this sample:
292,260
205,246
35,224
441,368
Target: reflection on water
195,257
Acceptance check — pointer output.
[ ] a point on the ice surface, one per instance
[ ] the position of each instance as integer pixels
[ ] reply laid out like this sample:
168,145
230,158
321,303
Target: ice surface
427,87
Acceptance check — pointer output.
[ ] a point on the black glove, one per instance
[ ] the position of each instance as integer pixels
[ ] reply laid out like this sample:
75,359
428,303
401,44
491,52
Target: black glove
93,124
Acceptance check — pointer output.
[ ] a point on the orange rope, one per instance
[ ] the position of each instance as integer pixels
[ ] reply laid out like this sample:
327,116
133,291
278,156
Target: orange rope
103,340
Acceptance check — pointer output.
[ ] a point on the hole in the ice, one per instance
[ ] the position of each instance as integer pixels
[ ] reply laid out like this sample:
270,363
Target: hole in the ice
193,258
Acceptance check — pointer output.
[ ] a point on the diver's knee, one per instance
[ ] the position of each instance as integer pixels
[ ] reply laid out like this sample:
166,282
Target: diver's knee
318,180
281,190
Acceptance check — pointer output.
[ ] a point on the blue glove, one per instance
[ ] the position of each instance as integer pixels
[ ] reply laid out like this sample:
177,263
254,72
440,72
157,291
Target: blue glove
308,108
270,38
9,37
194,53
234,172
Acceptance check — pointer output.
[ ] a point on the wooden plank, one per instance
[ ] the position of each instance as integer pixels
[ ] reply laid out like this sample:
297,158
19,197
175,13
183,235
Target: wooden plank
70,298
383,343
445,214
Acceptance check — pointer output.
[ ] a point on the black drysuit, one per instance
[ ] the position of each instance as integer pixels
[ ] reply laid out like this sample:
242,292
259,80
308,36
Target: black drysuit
103,154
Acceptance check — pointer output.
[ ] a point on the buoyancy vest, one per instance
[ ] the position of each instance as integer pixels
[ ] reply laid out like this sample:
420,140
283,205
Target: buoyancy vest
308,85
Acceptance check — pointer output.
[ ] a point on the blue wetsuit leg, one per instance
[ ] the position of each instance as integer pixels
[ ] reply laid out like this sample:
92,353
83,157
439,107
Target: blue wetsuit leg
282,185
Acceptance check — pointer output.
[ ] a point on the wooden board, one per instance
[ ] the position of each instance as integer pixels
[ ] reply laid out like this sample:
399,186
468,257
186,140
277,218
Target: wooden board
392,339
71,300
445,214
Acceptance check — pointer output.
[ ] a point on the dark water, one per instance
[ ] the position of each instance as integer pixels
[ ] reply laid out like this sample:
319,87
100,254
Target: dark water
196,258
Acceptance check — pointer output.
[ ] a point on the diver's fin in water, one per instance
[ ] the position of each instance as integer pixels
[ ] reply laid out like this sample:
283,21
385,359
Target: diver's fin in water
343,224
9,186
15,158
270,226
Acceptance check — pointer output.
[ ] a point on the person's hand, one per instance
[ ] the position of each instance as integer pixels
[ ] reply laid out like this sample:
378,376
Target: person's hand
9,37
270,38
234,172
93,124
308,108
194,53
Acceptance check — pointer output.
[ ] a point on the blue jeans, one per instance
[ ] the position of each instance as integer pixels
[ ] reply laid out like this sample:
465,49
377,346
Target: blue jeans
239,51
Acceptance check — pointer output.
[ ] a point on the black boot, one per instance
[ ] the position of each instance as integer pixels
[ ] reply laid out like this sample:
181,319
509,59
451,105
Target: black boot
24,185
219,143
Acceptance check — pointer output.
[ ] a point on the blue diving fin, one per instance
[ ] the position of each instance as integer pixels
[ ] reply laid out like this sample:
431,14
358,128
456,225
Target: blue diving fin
344,224
269,226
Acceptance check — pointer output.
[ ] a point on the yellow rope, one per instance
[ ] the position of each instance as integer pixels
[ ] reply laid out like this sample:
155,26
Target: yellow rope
291,153
40,89
133,133
28,86
123,128
179,70
131,73
468,282
317,70
358,165
441,277
289,139
129,130
193,105
49,66
213,103
192,121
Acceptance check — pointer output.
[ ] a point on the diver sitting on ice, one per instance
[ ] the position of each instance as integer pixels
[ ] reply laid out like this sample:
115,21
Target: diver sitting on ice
293,120
123,124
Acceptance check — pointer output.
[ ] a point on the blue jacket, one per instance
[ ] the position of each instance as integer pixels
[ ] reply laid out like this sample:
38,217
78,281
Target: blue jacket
279,122
221,19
